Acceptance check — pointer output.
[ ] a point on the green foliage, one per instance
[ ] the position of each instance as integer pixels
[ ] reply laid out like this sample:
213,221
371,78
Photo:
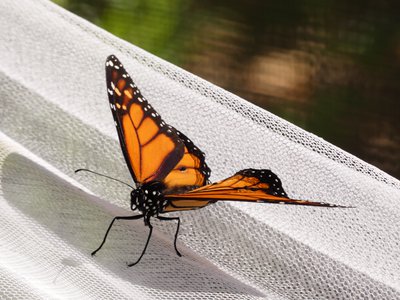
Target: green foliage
347,52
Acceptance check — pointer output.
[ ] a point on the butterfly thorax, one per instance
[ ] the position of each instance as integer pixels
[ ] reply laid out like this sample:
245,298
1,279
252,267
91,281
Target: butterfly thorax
149,199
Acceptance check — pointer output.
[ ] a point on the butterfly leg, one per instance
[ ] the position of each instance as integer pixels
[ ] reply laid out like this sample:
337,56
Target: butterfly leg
145,247
177,230
111,224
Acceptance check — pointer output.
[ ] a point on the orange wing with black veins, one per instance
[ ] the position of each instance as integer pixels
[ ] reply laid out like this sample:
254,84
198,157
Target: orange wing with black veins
153,150
249,185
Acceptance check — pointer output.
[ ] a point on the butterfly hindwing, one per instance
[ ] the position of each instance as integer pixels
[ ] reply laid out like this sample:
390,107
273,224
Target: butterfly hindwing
151,147
191,171
249,185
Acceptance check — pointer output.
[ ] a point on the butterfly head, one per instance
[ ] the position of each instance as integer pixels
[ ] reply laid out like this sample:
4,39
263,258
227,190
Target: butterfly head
149,198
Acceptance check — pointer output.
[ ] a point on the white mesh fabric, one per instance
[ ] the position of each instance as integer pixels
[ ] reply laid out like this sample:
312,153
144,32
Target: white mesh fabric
55,118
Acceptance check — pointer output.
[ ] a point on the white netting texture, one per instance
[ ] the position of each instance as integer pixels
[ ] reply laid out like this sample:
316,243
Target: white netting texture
55,118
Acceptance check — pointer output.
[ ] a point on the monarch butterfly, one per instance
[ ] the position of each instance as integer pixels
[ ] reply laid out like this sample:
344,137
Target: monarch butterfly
169,171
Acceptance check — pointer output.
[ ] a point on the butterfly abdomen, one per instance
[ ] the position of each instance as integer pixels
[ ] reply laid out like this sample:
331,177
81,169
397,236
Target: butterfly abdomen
182,189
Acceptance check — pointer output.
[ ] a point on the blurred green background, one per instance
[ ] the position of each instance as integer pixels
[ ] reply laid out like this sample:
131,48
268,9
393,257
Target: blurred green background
331,67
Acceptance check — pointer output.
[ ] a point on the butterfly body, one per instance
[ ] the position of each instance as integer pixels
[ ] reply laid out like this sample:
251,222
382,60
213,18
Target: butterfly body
149,200
169,171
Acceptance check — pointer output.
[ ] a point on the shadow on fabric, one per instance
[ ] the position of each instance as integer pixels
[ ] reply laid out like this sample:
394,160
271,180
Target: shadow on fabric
62,209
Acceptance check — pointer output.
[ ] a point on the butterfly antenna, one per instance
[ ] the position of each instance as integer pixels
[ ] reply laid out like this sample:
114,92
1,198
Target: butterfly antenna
115,179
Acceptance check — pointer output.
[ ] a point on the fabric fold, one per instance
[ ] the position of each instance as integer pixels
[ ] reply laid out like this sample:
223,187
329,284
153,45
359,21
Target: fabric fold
55,118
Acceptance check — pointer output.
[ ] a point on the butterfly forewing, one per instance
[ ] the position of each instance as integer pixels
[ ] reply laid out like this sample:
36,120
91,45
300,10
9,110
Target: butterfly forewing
150,147
249,185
